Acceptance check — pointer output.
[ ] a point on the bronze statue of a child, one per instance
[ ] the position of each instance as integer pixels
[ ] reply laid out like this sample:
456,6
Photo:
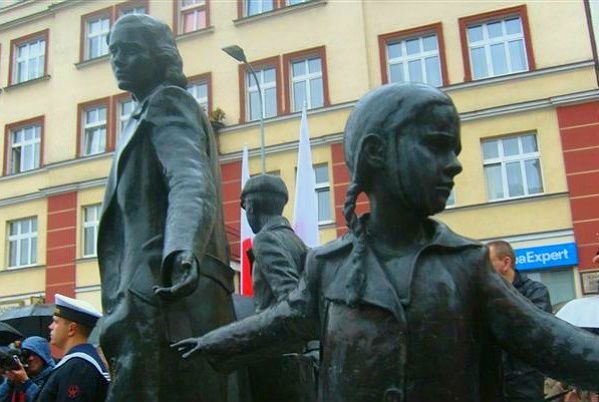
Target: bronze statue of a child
406,310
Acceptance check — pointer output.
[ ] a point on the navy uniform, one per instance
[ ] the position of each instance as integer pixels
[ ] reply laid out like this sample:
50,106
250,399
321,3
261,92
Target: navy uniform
81,375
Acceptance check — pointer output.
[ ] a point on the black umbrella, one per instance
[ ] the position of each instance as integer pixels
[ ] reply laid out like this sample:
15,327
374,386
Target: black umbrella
8,334
32,320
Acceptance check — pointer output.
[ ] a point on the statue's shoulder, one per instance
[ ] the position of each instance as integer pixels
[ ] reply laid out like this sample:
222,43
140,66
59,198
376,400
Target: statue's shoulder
338,247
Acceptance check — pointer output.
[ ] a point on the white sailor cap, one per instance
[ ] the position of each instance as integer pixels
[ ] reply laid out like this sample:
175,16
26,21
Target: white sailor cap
75,310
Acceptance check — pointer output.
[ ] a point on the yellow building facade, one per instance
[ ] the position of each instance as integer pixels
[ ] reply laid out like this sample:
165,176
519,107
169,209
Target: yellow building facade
507,65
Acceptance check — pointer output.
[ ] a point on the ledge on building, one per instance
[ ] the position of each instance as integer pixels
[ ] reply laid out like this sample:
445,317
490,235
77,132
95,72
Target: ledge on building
279,11
193,34
89,62
26,83
7,270
507,201
87,258
327,225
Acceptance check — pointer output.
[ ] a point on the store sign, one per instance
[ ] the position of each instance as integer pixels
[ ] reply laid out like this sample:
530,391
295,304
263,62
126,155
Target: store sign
544,257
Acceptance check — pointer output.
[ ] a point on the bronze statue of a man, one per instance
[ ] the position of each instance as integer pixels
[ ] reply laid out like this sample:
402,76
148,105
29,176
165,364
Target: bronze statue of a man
279,256
162,249
406,310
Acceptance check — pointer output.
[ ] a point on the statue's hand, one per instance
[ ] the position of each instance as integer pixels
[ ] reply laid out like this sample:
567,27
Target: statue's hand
180,279
188,346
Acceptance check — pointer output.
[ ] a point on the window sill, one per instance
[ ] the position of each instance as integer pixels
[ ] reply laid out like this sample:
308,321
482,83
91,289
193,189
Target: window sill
25,173
94,156
193,34
95,60
279,11
326,225
21,268
87,258
506,201
26,83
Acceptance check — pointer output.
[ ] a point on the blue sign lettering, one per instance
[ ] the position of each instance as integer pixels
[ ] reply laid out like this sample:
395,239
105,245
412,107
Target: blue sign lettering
544,257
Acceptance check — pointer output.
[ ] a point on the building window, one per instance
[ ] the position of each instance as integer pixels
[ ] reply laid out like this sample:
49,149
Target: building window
267,78
94,118
132,7
323,193
22,242
96,32
91,220
254,7
512,167
498,43
192,15
29,57
124,109
25,148
305,71
414,55
199,88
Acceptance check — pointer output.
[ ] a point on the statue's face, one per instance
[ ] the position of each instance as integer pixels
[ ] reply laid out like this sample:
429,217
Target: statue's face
252,212
425,161
131,59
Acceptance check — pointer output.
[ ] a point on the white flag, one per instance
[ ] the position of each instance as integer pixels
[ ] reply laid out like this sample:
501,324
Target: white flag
245,232
305,209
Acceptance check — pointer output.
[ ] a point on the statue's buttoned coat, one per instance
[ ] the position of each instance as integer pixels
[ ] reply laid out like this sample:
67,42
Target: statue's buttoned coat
163,196
433,342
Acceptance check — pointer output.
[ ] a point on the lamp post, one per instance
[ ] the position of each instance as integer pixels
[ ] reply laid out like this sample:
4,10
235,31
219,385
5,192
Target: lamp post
237,53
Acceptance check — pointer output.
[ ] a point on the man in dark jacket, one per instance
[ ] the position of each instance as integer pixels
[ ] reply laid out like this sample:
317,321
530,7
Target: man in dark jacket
80,376
24,385
522,383
278,260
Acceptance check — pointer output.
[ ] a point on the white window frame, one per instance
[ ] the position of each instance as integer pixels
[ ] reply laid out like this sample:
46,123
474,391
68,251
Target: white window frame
195,7
307,77
34,144
250,89
521,157
90,127
323,187
294,2
101,34
422,56
93,224
122,118
486,43
262,8
38,59
29,237
192,88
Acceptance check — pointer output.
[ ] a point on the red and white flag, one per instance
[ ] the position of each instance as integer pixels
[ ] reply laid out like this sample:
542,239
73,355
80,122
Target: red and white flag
245,233
305,210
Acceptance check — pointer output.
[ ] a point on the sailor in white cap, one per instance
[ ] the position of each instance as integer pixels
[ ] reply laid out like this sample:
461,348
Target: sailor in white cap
80,376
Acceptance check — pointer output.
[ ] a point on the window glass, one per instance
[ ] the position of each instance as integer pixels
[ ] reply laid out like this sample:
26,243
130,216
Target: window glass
22,242
497,48
307,83
415,60
25,149
512,169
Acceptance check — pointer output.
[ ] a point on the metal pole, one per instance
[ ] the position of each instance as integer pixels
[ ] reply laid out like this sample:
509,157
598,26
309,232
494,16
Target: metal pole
262,152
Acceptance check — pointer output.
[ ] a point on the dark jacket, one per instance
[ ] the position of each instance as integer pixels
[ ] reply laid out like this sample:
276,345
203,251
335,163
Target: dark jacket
33,385
163,196
522,382
80,376
430,342
279,257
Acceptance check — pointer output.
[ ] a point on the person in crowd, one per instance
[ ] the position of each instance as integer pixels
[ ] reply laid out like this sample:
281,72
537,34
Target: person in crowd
80,376
406,310
522,383
24,384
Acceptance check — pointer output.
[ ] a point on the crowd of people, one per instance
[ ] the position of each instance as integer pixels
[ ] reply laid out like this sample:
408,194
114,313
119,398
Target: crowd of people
80,375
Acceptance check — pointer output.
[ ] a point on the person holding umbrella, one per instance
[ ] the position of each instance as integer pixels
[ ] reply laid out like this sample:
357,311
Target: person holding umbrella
25,383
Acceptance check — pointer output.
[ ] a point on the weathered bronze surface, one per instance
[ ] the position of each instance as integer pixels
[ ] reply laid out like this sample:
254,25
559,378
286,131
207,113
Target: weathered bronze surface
406,310
162,249
278,256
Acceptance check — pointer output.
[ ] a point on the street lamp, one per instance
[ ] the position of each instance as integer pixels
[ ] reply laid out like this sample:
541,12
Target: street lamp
237,53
